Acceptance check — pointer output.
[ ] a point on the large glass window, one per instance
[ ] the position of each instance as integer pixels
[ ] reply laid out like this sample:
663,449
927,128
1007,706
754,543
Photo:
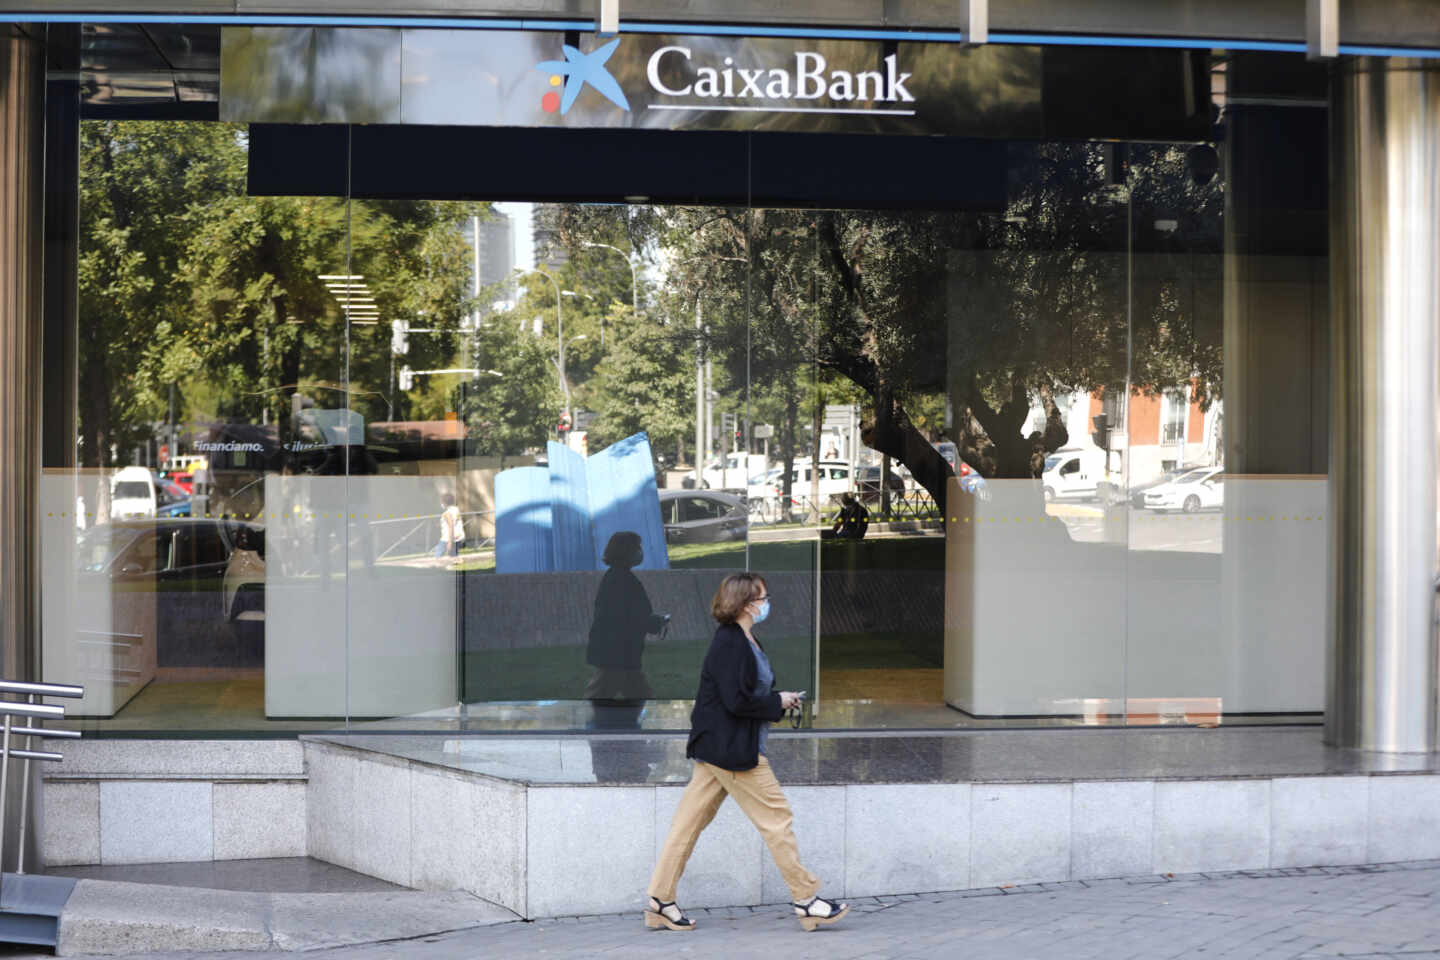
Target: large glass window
480,464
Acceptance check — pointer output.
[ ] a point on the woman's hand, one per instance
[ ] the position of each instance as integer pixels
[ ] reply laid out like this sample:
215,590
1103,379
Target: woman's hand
789,699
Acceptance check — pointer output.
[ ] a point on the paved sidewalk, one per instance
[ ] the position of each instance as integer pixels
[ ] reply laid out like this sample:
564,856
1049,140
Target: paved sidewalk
1391,910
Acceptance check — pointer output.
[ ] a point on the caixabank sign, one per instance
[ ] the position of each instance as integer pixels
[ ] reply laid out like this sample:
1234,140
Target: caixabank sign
535,79
730,87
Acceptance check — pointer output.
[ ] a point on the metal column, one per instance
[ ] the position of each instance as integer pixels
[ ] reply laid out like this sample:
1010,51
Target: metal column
22,117
1385,287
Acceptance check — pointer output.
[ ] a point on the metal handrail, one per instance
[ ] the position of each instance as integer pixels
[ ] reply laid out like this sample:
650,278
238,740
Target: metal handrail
35,755
42,732
42,689
420,522
9,710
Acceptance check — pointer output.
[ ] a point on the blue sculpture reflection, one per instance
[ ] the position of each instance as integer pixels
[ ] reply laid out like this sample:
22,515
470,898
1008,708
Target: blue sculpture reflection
558,517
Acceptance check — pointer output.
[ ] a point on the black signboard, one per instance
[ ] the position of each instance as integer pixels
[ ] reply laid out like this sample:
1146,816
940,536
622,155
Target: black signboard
641,81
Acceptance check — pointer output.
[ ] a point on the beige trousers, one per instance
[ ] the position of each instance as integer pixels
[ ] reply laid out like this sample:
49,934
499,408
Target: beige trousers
759,795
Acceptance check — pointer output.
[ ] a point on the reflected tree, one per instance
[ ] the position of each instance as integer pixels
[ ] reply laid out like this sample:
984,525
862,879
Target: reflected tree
1076,286
514,403
188,283
646,380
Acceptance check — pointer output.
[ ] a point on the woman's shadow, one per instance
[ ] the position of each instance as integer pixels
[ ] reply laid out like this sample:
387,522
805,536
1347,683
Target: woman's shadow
618,687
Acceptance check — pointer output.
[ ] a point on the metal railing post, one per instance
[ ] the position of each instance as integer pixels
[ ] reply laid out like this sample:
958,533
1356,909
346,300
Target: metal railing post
4,787
24,798
34,713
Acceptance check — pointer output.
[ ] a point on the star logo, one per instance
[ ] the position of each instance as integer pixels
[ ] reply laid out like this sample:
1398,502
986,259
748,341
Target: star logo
578,69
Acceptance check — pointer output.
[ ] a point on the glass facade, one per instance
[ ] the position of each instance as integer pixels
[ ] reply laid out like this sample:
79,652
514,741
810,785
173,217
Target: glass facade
1050,450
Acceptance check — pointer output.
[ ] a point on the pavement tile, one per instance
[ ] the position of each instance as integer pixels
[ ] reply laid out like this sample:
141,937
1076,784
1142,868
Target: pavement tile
1387,910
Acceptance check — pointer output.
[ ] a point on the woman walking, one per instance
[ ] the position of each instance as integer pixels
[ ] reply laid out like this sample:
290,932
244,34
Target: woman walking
734,708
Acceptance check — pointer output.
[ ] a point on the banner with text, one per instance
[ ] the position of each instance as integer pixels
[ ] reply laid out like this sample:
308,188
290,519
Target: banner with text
538,79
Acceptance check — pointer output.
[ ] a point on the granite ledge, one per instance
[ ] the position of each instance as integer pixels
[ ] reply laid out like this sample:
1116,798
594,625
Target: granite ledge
810,759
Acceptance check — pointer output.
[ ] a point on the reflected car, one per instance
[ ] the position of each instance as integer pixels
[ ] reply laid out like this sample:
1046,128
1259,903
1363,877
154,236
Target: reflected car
1201,489
702,516
171,499
762,485
1137,493
132,493
176,550
834,481
242,590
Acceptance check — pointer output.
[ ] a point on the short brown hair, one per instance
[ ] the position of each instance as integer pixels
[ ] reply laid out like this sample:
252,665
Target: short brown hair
735,592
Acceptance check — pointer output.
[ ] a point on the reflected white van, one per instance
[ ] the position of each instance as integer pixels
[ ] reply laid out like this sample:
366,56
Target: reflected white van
132,494
1073,474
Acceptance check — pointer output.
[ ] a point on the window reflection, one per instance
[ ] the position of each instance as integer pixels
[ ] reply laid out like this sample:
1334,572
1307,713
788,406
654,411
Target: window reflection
471,463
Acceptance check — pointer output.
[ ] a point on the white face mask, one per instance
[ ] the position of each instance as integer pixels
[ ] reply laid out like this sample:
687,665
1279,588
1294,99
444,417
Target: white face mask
762,610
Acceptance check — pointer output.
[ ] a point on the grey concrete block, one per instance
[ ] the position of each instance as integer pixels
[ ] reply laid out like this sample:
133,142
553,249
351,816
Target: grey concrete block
905,838
125,918
820,832
330,804
569,872
1404,818
444,833
501,827
255,820
1019,833
382,820
1318,820
725,867
468,833
178,758
1210,825
71,830
155,821
1112,827
311,921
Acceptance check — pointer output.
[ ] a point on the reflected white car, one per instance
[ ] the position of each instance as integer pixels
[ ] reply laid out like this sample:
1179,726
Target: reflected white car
1195,490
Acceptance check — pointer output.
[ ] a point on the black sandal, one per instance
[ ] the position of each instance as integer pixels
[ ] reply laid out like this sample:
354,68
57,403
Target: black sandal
666,915
818,911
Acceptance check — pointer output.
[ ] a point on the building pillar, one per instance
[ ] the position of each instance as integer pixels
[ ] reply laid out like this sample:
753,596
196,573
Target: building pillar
22,116
1385,332
22,149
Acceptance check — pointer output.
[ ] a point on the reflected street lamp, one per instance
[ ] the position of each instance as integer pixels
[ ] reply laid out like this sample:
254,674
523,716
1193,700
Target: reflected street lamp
565,381
559,335
634,282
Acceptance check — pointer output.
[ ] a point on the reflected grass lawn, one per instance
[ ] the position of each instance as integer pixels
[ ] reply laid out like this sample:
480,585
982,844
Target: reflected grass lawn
889,553
560,673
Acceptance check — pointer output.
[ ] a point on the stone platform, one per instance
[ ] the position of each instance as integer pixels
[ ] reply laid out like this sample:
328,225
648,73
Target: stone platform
117,917
549,826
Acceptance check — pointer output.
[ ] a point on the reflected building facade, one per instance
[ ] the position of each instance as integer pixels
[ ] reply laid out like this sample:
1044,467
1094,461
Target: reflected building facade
494,240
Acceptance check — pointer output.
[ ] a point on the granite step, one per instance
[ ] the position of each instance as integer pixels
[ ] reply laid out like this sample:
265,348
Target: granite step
117,917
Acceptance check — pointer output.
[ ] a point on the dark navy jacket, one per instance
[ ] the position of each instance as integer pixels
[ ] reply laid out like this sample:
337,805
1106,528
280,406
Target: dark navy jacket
725,724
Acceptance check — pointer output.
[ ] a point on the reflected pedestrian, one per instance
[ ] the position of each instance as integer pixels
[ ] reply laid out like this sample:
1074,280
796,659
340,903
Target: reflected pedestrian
452,528
734,708
623,616
853,519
